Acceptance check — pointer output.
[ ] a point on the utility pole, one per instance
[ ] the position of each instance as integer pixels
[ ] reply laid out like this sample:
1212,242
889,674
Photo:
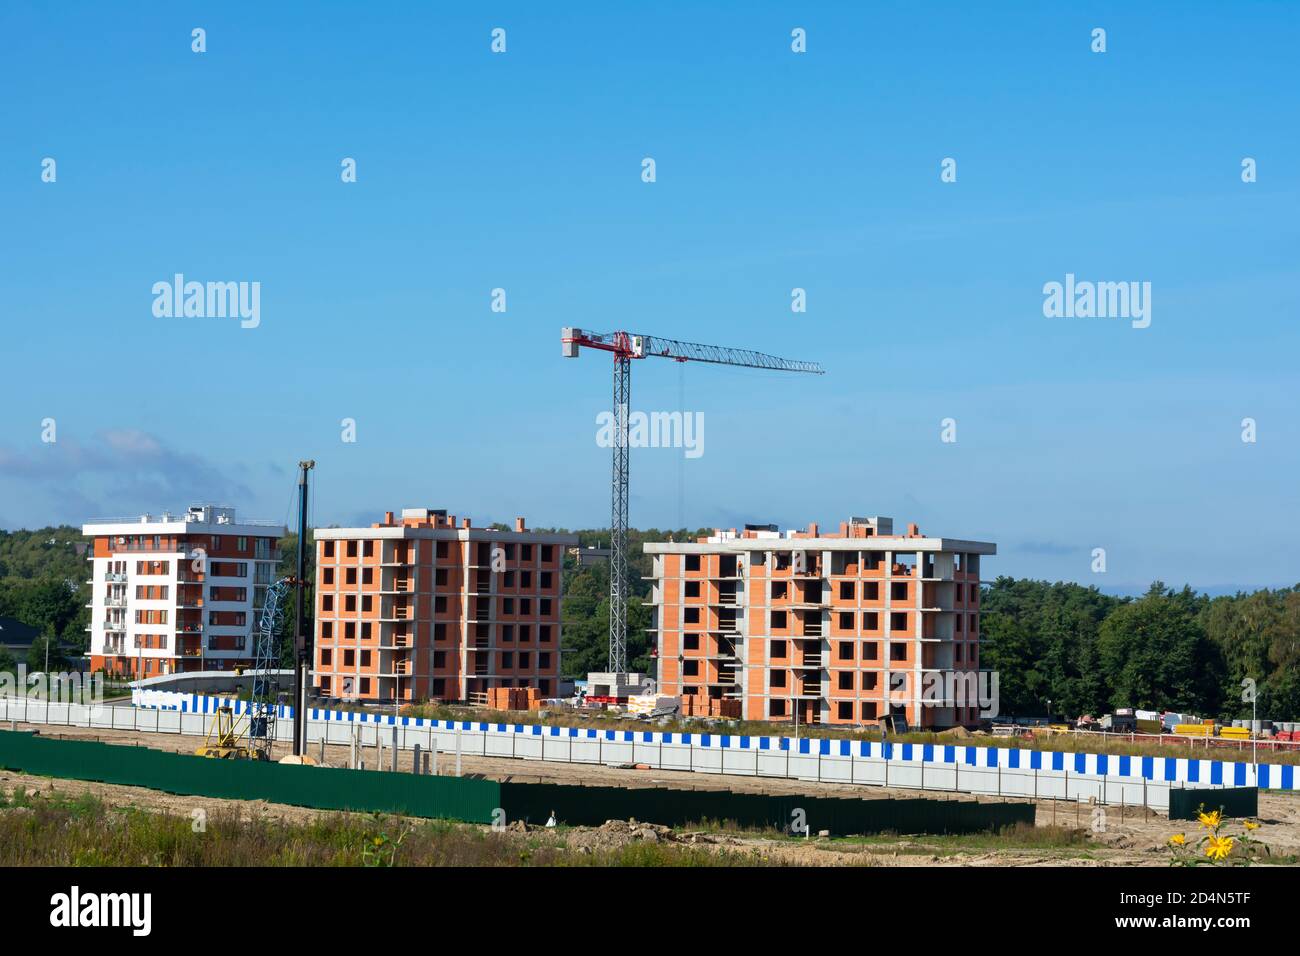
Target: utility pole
301,639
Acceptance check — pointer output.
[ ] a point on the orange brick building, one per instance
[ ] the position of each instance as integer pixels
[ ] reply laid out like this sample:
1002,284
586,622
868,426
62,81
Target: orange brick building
420,608
831,628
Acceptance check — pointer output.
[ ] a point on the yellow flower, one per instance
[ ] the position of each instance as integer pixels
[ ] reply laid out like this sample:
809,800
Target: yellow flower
1218,847
1210,820
1251,826
1178,839
379,841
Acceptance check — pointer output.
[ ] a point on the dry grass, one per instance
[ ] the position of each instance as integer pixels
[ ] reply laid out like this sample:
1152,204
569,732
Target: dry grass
52,830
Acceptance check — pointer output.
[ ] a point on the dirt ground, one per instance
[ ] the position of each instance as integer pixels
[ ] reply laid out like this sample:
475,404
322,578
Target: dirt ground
1123,837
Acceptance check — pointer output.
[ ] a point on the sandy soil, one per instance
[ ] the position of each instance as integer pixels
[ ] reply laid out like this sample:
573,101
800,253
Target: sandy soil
1125,837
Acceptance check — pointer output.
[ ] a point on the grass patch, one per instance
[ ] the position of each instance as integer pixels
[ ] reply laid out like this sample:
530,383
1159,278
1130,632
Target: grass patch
50,829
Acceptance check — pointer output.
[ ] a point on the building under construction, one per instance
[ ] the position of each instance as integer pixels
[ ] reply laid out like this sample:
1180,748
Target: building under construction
831,628
423,608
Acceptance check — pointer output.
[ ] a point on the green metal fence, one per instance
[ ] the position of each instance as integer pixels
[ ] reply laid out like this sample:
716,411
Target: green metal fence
326,789
1233,801
592,806
476,801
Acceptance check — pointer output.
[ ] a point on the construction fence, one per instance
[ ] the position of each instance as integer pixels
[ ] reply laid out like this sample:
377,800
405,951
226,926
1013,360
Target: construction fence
486,801
1116,780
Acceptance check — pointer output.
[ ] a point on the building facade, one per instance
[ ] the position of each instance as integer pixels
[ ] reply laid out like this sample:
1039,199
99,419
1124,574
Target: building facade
422,608
838,628
177,593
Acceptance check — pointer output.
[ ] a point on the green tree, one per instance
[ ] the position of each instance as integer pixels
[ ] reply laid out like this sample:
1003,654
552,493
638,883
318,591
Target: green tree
1155,653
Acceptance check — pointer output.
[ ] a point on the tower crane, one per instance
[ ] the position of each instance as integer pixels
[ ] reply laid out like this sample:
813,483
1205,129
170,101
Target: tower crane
265,697
625,347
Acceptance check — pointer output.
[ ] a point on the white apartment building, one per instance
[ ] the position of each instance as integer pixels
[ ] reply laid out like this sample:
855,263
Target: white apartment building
173,593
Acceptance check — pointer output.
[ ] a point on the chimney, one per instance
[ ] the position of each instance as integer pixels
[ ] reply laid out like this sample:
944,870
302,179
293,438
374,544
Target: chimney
812,530
388,519
519,524
912,529
464,523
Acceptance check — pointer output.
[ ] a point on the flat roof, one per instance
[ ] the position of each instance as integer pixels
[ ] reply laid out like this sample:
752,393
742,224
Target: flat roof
399,532
881,543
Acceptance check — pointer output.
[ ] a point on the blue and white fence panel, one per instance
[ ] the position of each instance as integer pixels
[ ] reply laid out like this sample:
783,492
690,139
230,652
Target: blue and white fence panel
1005,771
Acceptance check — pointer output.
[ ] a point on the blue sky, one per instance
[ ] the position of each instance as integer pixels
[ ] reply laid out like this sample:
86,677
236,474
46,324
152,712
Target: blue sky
774,171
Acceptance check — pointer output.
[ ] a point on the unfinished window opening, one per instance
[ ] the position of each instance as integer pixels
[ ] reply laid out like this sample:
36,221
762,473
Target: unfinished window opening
692,589
690,642
903,563
898,591
897,652
727,566
692,562
870,621
871,591
778,679
846,650
778,649
779,590
691,668
869,710
691,615
898,621
847,591
844,680
870,651
844,710
869,680
844,620
779,621
776,708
